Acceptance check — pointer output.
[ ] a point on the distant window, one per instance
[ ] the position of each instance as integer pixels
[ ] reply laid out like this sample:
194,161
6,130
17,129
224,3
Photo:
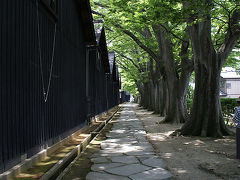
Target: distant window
222,84
228,85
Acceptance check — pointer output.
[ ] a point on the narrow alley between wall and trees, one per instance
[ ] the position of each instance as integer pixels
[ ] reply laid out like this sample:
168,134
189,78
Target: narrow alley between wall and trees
171,55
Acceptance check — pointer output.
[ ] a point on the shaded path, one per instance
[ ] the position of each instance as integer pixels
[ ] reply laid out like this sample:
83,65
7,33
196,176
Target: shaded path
126,153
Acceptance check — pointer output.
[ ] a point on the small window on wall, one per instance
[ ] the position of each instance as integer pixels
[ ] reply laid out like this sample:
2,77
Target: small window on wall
228,85
50,8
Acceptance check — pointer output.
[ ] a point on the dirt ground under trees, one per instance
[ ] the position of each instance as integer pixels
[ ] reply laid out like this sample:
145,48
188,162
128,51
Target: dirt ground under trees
191,158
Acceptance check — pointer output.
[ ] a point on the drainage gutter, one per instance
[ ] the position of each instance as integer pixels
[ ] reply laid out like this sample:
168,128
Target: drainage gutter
59,169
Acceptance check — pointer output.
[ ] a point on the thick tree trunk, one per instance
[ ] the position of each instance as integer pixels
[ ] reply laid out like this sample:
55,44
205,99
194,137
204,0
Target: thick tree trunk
152,96
159,98
163,97
165,60
206,116
205,113
183,83
182,106
176,110
151,87
172,110
141,93
146,97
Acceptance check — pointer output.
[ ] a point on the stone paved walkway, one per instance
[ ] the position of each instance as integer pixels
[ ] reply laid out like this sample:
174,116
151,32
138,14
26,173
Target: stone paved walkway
126,153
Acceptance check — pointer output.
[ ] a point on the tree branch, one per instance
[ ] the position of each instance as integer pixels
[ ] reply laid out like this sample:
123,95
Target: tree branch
97,13
232,36
101,5
109,29
222,7
133,37
138,68
166,29
220,20
128,70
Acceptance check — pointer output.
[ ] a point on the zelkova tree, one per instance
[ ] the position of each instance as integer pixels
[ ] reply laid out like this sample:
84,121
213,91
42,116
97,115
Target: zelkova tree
210,54
174,72
135,65
149,74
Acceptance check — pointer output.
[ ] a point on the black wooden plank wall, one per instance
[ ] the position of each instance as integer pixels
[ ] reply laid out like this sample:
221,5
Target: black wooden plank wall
99,85
27,123
92,80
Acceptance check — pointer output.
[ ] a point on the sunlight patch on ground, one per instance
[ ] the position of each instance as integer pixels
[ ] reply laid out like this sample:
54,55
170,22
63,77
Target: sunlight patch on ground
160,136
47,163
195,143
157,137
226,140
181,171
167,155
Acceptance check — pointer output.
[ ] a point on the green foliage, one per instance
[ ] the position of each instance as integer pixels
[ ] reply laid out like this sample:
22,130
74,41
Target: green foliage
221,13
233,60
228,105
138,15
128,84
131,60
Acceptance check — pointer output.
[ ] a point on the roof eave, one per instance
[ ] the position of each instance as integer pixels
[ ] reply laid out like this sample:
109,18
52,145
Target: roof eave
87,20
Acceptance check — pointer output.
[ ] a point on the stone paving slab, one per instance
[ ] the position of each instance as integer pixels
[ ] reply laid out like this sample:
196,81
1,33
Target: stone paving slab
156,174
100,160
154,162
104,176
128,169
144,157
127,154
139,153
104,166
105,154
125,159
121,141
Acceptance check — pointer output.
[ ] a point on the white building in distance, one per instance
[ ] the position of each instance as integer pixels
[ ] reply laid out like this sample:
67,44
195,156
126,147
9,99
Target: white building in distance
230,83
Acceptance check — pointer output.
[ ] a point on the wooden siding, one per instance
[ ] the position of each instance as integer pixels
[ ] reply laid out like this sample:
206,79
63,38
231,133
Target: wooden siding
27,123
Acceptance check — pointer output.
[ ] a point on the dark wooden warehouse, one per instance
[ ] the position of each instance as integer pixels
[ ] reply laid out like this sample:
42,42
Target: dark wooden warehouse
53,75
